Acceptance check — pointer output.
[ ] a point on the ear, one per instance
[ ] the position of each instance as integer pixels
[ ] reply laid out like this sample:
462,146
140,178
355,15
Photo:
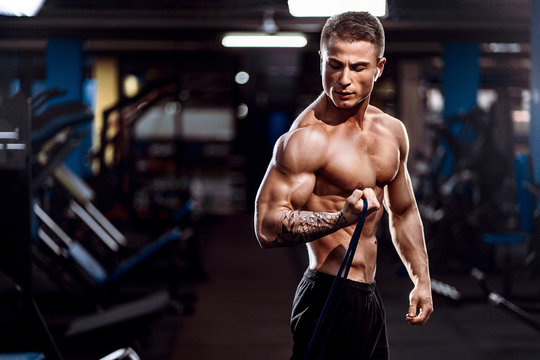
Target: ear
380,67
377,74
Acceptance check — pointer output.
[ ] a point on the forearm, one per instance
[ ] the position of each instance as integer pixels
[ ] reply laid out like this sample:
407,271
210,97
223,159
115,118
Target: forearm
297,227
408,237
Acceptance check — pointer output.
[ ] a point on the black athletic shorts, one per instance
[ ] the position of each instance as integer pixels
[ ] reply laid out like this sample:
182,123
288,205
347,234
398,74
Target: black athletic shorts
359,327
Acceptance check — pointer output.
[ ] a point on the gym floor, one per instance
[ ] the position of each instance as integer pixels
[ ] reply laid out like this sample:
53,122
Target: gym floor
242,309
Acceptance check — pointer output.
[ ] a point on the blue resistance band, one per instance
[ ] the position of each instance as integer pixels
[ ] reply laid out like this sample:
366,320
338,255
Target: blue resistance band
339,282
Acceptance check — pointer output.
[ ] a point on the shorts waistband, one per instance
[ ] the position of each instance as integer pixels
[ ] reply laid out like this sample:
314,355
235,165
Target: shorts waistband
320,277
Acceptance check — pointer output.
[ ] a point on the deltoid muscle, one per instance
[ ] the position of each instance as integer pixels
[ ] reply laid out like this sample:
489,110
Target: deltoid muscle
298,227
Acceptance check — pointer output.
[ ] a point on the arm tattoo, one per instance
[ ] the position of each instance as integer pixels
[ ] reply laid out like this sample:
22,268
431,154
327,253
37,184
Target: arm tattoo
298,227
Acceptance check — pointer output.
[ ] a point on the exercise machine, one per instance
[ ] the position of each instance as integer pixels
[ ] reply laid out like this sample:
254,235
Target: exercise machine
27,333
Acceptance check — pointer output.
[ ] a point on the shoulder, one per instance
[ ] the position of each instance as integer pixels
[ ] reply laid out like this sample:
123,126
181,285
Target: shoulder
390,124
303,147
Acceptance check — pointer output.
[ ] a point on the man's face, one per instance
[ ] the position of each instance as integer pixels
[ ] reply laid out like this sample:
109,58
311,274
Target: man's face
349,70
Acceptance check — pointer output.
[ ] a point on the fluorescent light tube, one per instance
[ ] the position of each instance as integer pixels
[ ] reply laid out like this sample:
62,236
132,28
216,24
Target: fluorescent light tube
326,8
287,40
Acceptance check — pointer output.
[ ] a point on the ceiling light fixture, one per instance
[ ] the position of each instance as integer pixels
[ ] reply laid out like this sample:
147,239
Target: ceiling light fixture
325,8
283,39
269,25
21,7
512,48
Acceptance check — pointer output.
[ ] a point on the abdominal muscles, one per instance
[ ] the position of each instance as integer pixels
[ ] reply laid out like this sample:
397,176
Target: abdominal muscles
326,253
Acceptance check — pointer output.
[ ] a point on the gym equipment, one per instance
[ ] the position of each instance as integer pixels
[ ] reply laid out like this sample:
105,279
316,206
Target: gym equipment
337,285
55,136
504,304
446,290
140,176
15,150
31,332
57,118
53,141
35,238
120,315
122,354
62,120
464,190
118,120
53,126
88,212
82,206
77,253
526,208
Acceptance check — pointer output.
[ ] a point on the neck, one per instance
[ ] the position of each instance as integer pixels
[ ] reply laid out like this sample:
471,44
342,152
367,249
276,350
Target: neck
356,113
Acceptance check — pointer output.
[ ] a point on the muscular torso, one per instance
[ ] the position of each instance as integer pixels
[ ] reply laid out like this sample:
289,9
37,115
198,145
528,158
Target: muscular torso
355,158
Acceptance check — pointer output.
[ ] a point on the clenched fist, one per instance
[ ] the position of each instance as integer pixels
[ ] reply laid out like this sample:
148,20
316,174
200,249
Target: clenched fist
354,204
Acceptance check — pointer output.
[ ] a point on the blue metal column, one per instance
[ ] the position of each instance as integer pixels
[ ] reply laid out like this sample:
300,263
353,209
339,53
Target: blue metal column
64,62
461,80
65,71
534,135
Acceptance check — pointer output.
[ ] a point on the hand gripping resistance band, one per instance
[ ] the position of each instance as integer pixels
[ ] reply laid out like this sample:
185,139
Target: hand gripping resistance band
338,285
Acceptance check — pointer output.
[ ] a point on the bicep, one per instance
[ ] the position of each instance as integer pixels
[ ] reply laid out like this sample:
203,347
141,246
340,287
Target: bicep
288,183
280,192
285,190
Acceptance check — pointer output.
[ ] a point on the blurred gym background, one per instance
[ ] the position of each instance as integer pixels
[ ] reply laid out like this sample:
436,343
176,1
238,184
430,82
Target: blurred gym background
134,136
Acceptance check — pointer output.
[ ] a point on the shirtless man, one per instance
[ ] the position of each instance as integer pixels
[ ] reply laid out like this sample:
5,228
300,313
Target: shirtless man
339,151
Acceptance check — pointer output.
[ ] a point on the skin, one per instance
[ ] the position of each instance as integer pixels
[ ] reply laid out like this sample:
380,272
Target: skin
338,151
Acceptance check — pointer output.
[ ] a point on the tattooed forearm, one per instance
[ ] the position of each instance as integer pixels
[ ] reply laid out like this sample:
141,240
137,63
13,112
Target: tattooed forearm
298,227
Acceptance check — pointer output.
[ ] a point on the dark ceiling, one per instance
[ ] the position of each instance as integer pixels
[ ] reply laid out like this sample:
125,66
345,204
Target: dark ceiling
109,25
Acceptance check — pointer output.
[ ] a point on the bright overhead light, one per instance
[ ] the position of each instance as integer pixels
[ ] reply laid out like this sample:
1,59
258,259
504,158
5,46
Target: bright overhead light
242,111
503,47
288,40
20,7
326,8
241,77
